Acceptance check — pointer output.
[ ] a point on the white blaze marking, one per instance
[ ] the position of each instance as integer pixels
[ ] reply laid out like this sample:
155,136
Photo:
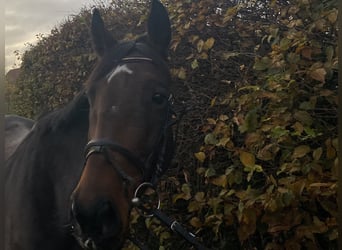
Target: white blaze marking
119,69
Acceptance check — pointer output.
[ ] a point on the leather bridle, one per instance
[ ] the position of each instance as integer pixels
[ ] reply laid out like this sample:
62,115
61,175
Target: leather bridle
154,166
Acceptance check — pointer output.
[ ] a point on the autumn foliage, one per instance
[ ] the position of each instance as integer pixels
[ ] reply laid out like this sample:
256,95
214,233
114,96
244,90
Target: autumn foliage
256,163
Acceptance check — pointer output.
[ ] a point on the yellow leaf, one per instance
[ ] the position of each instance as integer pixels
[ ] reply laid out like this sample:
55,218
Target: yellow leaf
209,43
230,13
223,118
203,56
258,168
211,121
193,39
220,181
318,74
212,102
182,196
196,222
200,156
247,159
182,74
200,44
227,55
300,151
187,25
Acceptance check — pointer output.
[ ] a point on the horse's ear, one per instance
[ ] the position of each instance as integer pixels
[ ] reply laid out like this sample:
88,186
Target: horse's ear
159,27
102,39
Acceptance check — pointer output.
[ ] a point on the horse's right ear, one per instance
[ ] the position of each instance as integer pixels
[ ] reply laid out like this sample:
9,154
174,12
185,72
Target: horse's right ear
102,39
159,27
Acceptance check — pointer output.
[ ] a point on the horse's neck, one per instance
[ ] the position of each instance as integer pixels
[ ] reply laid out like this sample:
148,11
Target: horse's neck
44,171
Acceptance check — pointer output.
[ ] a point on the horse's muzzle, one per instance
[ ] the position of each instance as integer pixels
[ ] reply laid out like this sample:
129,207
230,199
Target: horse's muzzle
97,226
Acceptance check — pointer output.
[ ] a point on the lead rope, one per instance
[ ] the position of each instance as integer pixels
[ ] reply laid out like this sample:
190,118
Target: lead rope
147,207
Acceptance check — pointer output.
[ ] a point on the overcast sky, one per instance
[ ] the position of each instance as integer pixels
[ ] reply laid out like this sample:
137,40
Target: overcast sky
24,19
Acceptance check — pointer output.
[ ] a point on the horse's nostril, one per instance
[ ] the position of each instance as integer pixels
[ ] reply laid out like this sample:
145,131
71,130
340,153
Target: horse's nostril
100,220
108,219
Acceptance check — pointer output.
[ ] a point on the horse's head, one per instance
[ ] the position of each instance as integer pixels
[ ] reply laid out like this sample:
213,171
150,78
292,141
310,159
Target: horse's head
129,130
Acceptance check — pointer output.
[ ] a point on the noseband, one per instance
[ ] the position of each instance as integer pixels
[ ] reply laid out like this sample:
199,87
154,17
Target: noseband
152,169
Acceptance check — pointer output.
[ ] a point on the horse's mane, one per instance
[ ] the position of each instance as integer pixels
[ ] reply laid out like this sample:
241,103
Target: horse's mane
73,113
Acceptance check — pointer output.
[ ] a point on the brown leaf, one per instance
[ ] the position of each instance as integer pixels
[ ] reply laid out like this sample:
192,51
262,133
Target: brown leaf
317,153
304,117
247,224
306,53
318,74
247,159
300,151
253,139
332,17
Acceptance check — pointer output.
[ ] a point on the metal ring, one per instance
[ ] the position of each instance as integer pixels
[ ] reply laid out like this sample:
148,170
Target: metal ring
136,199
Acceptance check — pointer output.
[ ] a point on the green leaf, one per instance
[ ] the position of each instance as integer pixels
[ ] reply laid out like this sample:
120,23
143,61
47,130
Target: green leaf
211,139
250,122
210,172
278,132
285,43
262,64
194,64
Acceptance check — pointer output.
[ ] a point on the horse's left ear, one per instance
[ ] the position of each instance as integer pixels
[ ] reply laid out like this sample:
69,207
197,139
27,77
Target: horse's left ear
159,27
102,39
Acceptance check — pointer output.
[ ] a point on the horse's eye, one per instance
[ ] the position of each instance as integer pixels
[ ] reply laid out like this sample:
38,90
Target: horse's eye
159,99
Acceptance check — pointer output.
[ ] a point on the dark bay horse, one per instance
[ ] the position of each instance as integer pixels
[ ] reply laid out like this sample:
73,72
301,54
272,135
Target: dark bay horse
70,183
16,129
